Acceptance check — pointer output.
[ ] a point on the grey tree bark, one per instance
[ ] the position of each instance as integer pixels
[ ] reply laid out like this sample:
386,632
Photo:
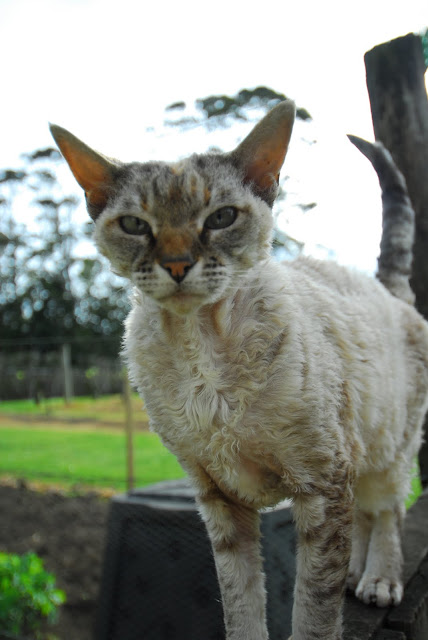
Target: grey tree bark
395,81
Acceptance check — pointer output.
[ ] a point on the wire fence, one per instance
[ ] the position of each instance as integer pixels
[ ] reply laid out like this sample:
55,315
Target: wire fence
50,367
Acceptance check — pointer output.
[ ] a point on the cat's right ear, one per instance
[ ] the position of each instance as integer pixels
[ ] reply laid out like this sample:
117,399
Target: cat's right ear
94,172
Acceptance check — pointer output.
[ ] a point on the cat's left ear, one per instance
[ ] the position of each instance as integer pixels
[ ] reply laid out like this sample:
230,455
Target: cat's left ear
94,172
261,154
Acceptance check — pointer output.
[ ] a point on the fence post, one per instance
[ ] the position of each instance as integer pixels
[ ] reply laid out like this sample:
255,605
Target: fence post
129,432
68,373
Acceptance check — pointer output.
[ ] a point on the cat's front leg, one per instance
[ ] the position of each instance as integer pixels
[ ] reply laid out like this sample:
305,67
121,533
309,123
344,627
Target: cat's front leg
234,530
324,541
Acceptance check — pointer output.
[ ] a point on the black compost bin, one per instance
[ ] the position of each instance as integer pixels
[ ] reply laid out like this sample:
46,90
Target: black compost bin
159,580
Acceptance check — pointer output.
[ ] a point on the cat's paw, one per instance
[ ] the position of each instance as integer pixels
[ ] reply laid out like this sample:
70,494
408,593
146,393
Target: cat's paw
379,591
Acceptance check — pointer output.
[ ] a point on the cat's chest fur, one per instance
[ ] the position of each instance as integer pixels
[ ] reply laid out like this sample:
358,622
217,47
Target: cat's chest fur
250,388
204,380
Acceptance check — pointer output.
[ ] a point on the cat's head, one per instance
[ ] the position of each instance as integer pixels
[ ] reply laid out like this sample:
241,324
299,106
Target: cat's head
185,233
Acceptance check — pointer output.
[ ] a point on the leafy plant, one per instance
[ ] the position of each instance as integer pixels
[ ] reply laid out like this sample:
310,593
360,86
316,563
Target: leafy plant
424,37
27,594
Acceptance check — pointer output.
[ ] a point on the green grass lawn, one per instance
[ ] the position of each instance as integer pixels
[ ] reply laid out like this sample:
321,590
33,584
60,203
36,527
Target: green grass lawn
82,442
93,458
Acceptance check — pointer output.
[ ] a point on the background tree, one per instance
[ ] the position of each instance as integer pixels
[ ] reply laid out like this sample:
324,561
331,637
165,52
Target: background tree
49,289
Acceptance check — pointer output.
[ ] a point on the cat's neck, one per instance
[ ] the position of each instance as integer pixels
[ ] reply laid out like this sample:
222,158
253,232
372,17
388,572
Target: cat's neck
210,320
253,300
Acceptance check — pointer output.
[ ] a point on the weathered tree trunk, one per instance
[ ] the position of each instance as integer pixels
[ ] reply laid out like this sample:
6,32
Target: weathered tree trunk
395,81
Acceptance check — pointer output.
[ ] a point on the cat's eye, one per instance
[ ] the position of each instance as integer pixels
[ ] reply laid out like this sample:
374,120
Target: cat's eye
134,226
221,218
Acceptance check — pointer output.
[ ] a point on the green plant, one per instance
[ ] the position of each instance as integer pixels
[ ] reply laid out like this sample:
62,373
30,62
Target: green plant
424,37
27,594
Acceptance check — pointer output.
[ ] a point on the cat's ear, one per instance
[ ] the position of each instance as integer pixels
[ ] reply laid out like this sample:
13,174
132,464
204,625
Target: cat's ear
261,154
94,172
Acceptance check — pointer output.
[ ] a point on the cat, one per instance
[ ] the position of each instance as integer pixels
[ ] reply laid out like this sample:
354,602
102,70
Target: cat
302,380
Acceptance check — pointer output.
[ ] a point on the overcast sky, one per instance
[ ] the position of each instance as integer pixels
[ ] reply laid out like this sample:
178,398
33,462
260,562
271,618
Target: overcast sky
107,69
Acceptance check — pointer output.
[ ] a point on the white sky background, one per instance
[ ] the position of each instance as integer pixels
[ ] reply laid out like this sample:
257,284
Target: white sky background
106,70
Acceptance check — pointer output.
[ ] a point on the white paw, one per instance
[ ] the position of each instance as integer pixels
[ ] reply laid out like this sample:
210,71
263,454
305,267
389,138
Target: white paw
379,591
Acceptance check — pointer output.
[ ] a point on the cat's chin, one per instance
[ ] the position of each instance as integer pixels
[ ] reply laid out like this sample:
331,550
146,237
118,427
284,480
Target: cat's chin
182,303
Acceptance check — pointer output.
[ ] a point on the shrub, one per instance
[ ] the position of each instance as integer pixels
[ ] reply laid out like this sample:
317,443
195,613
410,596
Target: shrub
27,594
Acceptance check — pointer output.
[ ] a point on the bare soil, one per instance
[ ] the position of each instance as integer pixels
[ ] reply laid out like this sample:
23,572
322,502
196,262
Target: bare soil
68,533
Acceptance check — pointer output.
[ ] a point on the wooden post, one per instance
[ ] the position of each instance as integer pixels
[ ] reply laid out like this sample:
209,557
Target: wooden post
396,85
129,432
68,373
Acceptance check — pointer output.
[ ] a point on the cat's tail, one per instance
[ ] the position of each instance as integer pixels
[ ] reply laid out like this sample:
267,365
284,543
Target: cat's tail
398,221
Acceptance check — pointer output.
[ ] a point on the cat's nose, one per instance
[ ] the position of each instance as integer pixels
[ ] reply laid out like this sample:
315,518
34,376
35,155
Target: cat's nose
177,267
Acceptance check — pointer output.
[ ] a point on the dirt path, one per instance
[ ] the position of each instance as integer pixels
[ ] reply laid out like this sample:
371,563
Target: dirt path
6,420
